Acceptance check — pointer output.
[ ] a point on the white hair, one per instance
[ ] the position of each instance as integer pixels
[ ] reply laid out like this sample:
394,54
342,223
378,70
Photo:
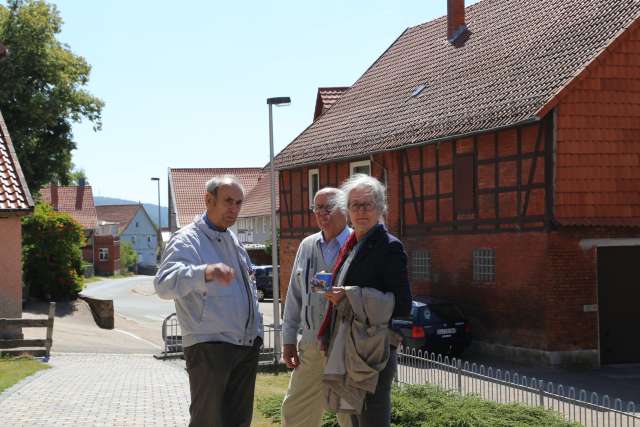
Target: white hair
221,180
334,197
368,183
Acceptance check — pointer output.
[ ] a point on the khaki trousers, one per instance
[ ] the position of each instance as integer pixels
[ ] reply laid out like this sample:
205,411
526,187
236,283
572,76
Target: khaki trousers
303,404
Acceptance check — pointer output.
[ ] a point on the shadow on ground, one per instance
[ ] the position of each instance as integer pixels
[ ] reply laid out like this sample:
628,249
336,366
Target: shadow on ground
63,308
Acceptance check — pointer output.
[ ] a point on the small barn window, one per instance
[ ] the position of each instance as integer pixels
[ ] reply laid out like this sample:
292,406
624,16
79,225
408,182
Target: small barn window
465,183
314,185
103,254
484,265
421,265
363,166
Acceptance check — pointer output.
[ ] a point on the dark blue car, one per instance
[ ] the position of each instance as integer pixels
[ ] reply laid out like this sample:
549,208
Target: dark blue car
264,281
436,326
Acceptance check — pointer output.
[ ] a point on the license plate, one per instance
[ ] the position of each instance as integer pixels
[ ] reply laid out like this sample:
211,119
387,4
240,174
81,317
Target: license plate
447,331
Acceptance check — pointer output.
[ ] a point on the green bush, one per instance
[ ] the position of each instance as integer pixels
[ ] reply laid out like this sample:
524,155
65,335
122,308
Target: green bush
128,256
430,406
52,254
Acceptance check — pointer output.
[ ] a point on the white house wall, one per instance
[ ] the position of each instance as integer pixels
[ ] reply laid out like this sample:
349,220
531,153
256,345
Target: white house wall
146,239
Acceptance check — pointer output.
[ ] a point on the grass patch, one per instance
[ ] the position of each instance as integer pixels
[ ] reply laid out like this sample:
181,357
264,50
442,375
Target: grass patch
270,388
14,369
418,406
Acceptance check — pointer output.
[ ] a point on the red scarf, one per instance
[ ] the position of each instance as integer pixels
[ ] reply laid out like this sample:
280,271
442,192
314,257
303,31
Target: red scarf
342,256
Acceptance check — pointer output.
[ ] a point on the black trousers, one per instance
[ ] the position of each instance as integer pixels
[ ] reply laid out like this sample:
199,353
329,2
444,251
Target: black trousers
377,406
222,380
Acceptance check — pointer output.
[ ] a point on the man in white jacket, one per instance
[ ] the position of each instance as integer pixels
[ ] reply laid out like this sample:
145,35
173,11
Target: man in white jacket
208,274
303,403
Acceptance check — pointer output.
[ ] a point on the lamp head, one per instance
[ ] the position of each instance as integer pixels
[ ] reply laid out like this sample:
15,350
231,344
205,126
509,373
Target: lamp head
280,101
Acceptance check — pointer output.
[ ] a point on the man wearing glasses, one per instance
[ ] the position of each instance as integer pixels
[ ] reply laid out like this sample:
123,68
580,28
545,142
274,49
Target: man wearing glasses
304,309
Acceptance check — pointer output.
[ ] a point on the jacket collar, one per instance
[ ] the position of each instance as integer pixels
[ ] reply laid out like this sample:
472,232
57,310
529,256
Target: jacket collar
374,235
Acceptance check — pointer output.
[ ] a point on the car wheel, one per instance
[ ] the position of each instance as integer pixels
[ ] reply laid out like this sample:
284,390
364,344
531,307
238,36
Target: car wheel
260,295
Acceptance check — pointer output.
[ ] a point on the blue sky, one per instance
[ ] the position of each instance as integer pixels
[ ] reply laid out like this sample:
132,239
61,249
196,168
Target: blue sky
185,84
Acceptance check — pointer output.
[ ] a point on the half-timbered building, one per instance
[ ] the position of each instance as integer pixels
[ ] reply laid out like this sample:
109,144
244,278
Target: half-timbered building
508,136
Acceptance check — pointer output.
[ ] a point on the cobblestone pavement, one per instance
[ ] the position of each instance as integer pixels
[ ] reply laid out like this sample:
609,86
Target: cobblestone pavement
100,390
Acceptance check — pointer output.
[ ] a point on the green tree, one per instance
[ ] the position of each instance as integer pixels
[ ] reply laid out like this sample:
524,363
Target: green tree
128,256
42,91
77,175
52,254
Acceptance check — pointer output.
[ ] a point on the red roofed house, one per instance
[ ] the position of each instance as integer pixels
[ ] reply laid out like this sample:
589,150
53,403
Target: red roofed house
254,220
508,134
136,227
187,189
77,201
15,202
327,96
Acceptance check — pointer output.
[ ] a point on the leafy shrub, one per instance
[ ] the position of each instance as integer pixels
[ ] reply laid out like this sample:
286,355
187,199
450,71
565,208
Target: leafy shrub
430,406
128,256
52,254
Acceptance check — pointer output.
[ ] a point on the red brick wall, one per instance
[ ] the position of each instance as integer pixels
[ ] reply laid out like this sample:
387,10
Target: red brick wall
111,265
542,282
598,138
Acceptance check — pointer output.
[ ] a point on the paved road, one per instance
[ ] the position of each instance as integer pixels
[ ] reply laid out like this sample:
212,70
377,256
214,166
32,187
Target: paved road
135,299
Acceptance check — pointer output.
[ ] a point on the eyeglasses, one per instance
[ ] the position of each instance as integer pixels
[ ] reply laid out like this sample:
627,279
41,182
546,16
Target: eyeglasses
362,206
327,209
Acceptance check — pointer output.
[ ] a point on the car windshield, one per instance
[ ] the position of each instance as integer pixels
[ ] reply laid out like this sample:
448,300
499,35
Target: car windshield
445,311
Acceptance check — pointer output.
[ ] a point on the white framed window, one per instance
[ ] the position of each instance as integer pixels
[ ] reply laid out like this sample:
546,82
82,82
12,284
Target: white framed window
265,221
103,254
363,166
133,240
421,265
314,185
484,265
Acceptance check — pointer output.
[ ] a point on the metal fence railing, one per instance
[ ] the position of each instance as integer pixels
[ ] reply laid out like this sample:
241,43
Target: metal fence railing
268,353
172,338
589,409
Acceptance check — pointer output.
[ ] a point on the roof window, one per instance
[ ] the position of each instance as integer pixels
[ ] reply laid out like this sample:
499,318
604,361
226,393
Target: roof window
418,90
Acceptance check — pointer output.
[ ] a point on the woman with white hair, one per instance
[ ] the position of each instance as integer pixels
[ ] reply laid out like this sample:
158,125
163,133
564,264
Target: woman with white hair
372,264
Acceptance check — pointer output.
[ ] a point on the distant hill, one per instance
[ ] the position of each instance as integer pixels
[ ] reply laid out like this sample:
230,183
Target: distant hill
151,209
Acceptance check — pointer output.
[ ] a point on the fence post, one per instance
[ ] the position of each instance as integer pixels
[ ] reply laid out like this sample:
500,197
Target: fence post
541,390
52,312
395,374
459,367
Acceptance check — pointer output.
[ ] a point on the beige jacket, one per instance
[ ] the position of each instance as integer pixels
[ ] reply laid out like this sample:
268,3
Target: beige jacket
359,348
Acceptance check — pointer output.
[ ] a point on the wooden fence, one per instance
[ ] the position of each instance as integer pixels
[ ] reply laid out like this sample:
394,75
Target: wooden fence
34,347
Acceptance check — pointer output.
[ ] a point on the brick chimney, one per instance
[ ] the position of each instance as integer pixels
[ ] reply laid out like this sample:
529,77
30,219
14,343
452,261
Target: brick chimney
54,195
455,19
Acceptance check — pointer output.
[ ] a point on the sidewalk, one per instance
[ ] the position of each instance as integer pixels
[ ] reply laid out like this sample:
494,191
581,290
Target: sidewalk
100,390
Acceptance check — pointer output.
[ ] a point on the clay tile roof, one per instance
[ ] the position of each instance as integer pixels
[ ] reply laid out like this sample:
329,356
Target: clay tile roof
258,201
120,214
14,193
327,96
77,201
188,187
520,54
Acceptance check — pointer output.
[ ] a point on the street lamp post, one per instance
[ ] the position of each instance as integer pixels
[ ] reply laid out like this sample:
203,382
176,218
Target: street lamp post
279,101
159,237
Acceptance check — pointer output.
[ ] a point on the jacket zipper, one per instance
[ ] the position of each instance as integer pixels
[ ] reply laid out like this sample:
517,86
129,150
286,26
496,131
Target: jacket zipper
306,282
